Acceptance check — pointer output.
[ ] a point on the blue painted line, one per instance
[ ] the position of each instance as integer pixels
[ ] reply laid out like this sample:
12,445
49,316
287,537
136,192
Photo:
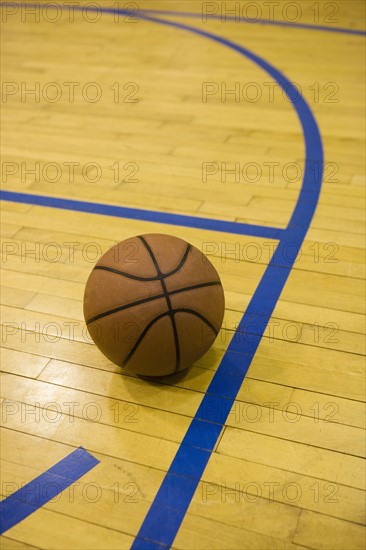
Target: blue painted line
144,215
43,488
258,21
170,505
232,18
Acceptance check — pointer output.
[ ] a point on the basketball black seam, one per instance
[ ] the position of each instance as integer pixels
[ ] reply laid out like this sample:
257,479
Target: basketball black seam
157,318
138,278
135,277
202,317
175,332
151,255
193,287
142,335
181,263
151,299
126,306
169,304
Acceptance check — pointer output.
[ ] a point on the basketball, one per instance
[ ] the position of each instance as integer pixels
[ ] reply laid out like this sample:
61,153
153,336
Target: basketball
154,304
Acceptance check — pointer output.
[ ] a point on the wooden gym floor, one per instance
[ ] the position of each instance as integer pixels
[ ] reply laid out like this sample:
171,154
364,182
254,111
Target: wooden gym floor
287,469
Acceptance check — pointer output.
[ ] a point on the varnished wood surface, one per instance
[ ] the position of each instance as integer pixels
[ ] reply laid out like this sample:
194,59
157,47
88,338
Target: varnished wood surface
297,426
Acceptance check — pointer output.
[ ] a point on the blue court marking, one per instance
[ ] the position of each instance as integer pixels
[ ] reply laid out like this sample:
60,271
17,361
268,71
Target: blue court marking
170,505
258,21
144,215
45,487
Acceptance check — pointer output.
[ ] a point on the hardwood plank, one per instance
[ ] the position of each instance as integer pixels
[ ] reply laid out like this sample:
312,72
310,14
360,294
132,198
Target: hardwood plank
318,531
225,476
293,456
11,544
271,482
23,364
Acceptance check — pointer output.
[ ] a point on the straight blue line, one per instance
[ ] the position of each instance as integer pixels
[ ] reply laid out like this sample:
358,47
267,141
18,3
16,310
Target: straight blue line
42,489
144,215
233,18
259,21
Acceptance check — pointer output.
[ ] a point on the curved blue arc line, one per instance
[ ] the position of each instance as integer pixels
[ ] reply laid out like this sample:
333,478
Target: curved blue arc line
310,189
171,503
169,507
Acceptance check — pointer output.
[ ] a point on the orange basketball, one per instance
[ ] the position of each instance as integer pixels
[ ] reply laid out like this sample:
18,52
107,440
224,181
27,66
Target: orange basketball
154,304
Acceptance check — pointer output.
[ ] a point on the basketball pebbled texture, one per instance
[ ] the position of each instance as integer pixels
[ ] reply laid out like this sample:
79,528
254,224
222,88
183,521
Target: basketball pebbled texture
154,304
